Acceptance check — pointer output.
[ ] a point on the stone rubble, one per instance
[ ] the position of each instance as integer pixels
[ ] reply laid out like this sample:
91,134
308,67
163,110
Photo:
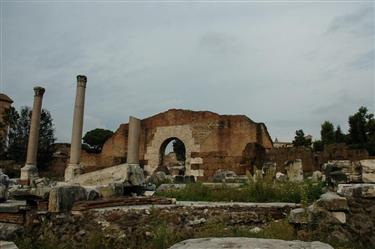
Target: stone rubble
4,185
294,170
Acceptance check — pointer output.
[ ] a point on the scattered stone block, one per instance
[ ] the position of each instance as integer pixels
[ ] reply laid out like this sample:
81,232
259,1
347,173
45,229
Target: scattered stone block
128,174
368,166
368,170
269,169
317,176
368,178
364,190
247,243
4,185
332,202
166,187
338,217
298,216
158,178
342,171
7,245
62,198
111,190
224,176
281,177
294,170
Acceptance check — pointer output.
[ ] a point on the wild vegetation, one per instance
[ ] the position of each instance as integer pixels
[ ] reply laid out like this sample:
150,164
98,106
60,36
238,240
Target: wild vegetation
259,191
164,234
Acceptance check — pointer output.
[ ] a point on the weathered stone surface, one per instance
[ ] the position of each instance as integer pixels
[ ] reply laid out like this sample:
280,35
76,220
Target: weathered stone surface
294,170
224,176
281,177
131,175
247,243
317,176
111,190
9,231
61,198
269,169
332,202
365,190
166,187
4,185
7,245
342,171
339,217
368,178
298,216
158,178
11,206
368,166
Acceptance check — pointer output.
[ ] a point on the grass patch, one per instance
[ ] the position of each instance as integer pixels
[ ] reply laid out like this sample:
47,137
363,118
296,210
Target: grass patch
260,191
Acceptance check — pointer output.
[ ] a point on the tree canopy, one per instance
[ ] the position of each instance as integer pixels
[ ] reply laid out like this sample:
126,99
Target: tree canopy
301,140
18,135
96,138
327,133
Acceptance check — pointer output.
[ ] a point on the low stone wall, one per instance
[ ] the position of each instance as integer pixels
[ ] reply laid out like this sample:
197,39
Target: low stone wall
132,224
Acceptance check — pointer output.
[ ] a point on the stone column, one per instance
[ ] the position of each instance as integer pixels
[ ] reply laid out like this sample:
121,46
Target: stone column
133,140
74,168
30,171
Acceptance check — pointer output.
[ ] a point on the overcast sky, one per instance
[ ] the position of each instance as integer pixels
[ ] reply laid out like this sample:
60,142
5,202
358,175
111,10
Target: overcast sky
289,65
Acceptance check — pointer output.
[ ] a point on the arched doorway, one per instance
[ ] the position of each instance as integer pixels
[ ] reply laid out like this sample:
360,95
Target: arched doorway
172,156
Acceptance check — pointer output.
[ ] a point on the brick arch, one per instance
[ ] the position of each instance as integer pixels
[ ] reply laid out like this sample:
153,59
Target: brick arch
163,134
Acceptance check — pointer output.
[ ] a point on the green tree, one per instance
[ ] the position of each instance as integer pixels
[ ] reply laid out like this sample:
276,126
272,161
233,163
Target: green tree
327,133
96,138
300,139
358,126
19,127
339,136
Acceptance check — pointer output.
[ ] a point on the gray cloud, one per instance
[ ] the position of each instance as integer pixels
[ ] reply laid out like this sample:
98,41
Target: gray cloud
360,22
267,61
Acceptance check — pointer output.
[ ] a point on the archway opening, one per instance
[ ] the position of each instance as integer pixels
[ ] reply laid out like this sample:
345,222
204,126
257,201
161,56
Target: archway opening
173,156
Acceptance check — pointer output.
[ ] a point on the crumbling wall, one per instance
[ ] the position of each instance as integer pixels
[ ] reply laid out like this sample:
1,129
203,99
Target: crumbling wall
311,160
212,141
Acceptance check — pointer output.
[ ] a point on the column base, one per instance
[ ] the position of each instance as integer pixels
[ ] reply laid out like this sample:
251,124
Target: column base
72,171
29,172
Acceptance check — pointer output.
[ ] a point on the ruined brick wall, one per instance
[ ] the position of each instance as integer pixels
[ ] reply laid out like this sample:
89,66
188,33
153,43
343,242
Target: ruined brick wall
212,141
314,160
5,103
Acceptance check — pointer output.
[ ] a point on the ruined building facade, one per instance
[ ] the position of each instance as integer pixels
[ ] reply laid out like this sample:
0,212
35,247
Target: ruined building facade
5,103
211,141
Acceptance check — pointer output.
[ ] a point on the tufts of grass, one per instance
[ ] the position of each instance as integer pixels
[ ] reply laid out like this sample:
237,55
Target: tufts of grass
260,191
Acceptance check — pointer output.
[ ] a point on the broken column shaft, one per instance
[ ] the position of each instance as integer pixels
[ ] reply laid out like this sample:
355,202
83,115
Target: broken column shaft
74,168
133,140
30,171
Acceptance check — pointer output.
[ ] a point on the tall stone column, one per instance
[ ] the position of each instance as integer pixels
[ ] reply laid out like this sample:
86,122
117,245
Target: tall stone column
133,140
74,168
30,171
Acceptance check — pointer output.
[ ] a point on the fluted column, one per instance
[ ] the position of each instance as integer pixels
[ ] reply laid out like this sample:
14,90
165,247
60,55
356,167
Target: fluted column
133,140
74,168
30,171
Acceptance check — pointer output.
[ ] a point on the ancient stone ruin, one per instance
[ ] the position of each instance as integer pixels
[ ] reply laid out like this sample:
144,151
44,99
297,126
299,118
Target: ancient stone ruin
118,193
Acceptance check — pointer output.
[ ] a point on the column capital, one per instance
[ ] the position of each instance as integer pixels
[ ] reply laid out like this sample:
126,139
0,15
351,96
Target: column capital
81,80
39,91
